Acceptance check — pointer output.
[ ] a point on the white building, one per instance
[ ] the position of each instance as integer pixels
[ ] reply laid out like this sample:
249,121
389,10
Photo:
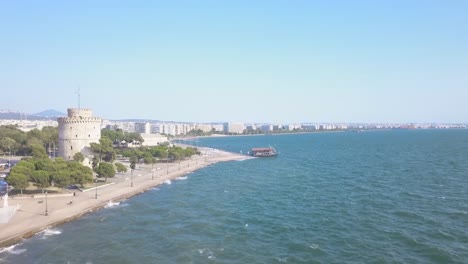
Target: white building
77,131
153,139
237,128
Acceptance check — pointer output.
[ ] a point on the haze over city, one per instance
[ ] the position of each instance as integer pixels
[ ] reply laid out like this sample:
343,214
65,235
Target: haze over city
248,61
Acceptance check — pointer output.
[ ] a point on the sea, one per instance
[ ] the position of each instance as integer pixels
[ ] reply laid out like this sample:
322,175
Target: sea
397,196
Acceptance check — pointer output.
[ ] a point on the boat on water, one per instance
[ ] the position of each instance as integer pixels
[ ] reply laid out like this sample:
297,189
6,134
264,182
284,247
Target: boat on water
263,152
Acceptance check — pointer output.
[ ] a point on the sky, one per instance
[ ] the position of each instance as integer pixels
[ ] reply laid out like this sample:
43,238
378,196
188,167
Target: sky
238,61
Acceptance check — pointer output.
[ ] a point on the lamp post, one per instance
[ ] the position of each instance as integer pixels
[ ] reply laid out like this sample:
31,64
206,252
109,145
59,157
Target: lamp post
167,162
46,212
152,171
95,196
9,157
131,178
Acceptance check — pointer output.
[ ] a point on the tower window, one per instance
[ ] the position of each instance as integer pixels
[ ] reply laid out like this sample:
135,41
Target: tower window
76,135
89,135
71,147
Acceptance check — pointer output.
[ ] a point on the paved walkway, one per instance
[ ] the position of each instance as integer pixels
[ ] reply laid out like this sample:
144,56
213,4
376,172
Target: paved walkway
30,218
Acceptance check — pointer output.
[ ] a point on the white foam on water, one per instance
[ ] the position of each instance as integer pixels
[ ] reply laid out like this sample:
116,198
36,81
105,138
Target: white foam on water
313,246
111,204
246,225
281,259
168,182
50,232
12,250
181,178
155,189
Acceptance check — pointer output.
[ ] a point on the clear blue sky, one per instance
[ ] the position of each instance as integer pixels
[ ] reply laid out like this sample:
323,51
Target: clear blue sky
249,61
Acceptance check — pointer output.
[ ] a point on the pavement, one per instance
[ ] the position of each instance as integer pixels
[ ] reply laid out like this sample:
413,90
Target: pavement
36,214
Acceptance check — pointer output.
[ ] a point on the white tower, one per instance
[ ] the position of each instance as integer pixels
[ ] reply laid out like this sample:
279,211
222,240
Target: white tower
77,131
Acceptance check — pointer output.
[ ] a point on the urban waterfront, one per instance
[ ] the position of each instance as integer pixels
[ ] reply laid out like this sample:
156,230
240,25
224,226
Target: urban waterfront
371,197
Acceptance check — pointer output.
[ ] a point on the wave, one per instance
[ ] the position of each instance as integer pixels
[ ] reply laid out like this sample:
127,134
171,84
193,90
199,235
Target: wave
181,178
111,204
313,246
168,182
12,250
50,232
281,259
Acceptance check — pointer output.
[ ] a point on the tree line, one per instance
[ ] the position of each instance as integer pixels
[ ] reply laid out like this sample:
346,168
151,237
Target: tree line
15,141
45,172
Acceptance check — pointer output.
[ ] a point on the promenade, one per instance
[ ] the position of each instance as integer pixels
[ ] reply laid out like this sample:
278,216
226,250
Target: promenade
30,218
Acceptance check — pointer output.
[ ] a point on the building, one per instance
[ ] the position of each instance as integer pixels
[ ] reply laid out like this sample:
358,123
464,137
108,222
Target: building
143,128
153,139
236,128
77,131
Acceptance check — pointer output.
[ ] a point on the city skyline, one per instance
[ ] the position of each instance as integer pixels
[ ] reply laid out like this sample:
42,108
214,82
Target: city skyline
272,62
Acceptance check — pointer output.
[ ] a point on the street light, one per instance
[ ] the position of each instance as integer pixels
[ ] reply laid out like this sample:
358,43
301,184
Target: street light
152,171
131,178
46,212
9,157
95,196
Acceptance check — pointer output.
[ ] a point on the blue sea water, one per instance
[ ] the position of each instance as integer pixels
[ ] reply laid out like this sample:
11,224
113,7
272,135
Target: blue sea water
371,197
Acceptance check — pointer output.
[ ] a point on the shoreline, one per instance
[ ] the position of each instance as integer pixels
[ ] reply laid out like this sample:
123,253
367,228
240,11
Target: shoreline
30,218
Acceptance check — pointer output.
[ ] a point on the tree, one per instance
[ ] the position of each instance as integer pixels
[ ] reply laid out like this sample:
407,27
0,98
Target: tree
104,149
6,144
24,167
18,180
79,157
106,170
62,179
79,173
95,162
133,162
38,152
148,158
120,167
41,178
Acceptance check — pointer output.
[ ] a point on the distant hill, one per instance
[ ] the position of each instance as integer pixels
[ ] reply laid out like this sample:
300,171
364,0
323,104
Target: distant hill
44,115
50,113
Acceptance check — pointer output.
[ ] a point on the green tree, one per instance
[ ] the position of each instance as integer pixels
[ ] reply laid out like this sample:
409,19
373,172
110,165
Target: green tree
41,178
148,158
106,170
62,179
24,167
120,167
38,152
79,157
133,162
79,173
6,144
104,149
18,180
95,162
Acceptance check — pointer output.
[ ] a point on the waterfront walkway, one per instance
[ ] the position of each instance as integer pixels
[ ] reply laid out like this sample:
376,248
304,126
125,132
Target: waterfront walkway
30,218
